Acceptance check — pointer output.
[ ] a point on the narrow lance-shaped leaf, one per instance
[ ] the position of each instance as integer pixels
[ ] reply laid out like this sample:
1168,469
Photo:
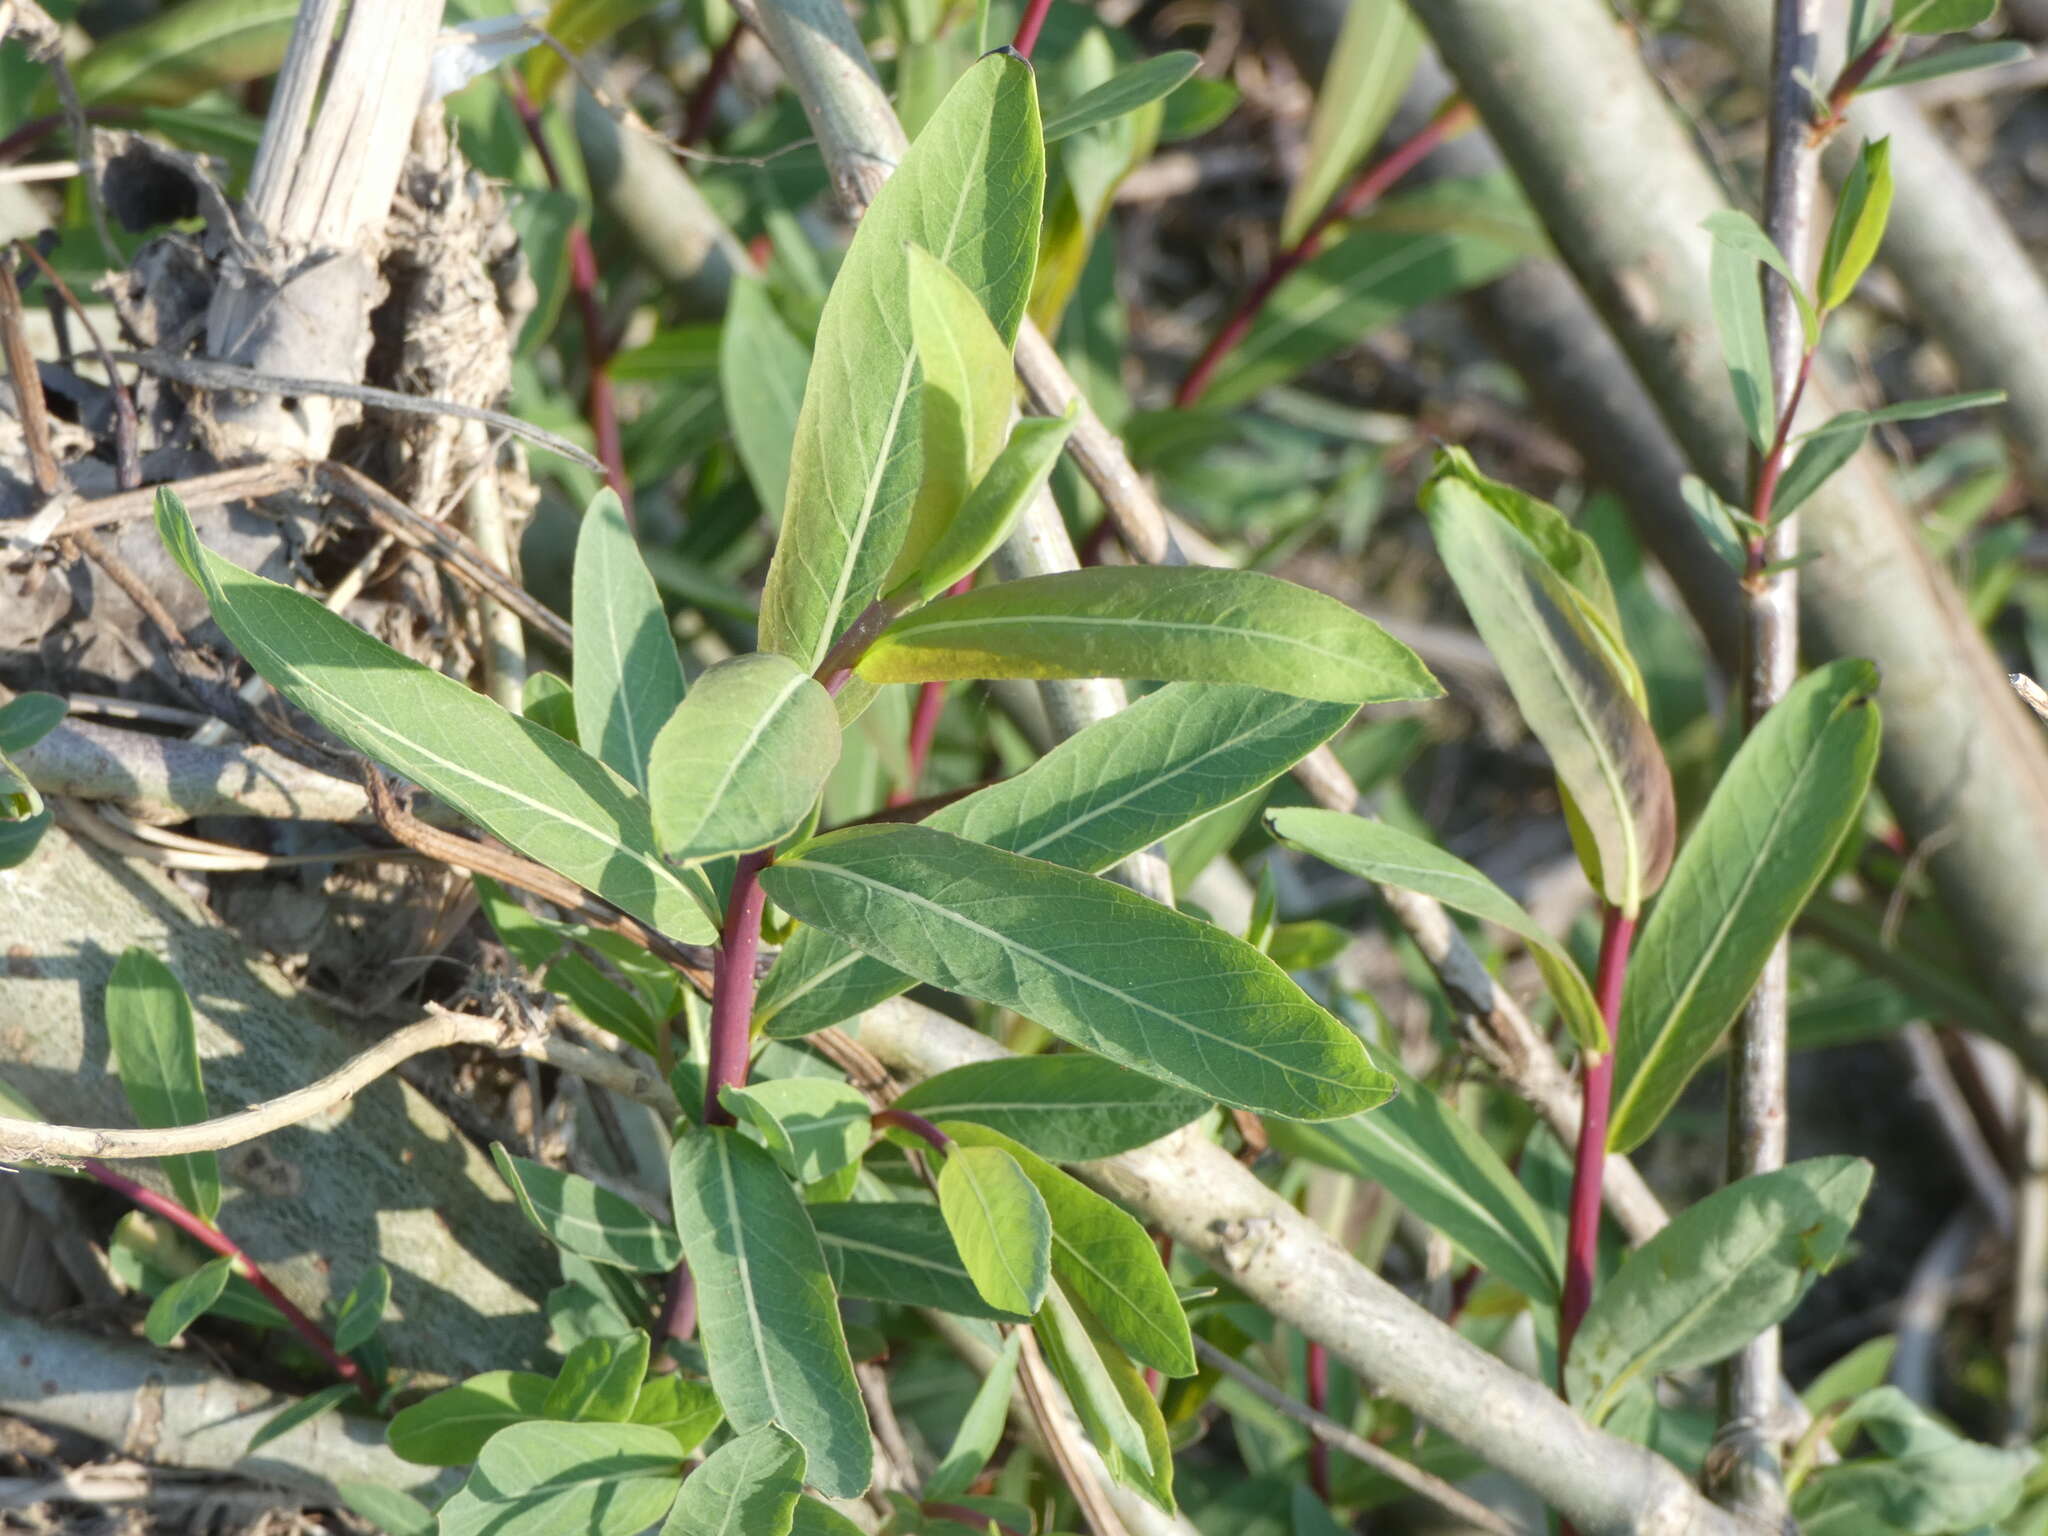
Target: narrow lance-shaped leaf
184,1301
1745,344
1768,835
1094,963
966,400
1386,855
1562,666
156,1052
1932,17
984,519
999,1224
740,765
362,1309
1442,1169
304,1411
1145,82
1375,54
1858,227
1116,787
586,1218
1120,1415
1738,1261
981,1428
761,372
1070,1108
519,781
1184,623
628,678
767,1315
747,1487
969,192
1742,234
1104,1259
1953,61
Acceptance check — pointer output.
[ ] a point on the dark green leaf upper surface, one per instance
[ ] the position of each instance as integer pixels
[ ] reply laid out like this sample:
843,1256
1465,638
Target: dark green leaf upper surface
1070,1107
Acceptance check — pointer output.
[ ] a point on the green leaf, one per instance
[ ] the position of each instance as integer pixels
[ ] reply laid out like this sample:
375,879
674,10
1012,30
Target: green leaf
1735,1263
1149,80
968,191
1121,1417
685,1408
814,1126
981,1427
449,1429
747,1487
546,1479
984,519
1104,1259
156,1052
1576,689
20,801
587,1219
1954,61
1375,851
1931,17
1860,215
742,762
1178,623
304,1411
551,951
899,1252
1418,248
186,50
767,1315
999,1226
362,1309
1862,1370
1070,1108
761,371
1905,410
27,718
1116,787
1768,835
1096,964
1738,300
18,839
967,398
1928,1481
519,781
815,1519
600,1380
1812,467
1743,235
184,1301
1374,58
388,1510
546,700
629,679
1430,1159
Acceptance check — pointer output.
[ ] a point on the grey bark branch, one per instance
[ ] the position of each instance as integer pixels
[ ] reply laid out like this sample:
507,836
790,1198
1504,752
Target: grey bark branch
1212,1205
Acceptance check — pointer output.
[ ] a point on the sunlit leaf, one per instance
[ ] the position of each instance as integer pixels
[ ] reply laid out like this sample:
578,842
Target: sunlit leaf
999,1225
1374,58
747,1487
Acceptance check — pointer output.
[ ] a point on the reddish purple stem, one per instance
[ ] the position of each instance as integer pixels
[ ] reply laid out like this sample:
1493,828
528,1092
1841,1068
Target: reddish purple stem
1029,28
1318,1367
917,1125
205,1232
732,985
1589,1164
698,122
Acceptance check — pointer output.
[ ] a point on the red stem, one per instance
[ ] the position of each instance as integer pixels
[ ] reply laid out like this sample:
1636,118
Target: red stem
698,121
1451,119
1850,81
1028,29
600,405
732,985
205,1232
924,723
1589,1165
917,1125
678,1316
1318,1398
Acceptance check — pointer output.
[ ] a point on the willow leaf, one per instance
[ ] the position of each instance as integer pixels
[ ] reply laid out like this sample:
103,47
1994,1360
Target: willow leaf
629,679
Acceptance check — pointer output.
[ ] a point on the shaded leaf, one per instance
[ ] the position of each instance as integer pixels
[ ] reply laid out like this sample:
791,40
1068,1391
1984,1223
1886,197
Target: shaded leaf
1954,61
1928,1480
1905,410
1374,58
362,1309
899,1252
27,718
629,678
1121,1417
815,1519
185,1300
156,1053
304,1411
761,371
1099,796
969,192
586,1218
768,1318
1736,1262
1772,829
1743,235
1929,17
186,50
742,762
600,1380
1094,963
519,781
1813,466
450,1428
1738,301
1179,623
390,1511
1070,1108
749,1486
981,1427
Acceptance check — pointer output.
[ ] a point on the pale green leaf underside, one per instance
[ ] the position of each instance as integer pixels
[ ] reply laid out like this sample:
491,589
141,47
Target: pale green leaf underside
999,1224
1094,963
586,1218
519,781
747,1487
767,1315
629,679
968,191
1767,836
450,1428
1172,624
1116,787
742,761
541,1479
